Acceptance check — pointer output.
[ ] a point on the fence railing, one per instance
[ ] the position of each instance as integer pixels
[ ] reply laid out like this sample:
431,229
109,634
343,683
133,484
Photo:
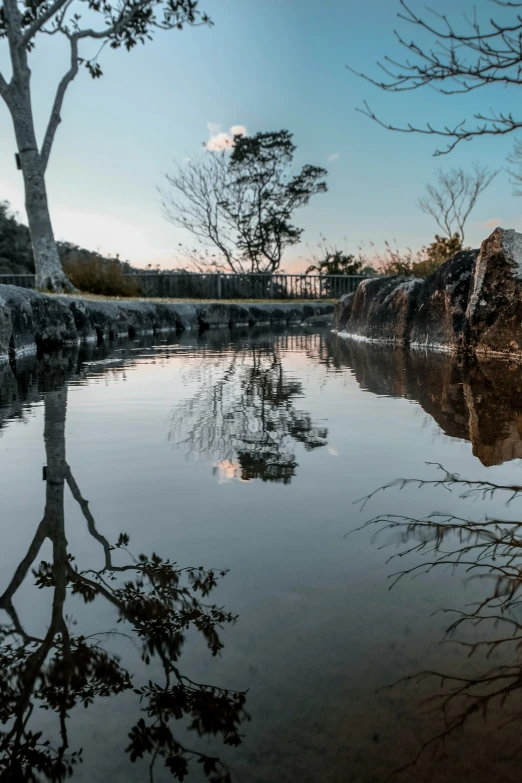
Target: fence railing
247,286
22,281
174,285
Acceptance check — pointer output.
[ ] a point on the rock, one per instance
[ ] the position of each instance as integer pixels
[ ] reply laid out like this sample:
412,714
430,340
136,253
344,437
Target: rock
440,317
383,308
6,331
342,312
494,311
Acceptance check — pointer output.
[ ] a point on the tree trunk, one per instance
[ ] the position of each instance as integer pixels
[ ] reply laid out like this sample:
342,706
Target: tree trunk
49,273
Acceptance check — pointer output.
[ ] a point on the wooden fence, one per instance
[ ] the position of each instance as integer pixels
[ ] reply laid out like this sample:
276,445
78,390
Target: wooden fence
173,285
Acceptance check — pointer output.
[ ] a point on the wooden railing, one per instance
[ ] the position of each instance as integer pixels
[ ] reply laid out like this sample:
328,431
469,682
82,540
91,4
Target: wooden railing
174,285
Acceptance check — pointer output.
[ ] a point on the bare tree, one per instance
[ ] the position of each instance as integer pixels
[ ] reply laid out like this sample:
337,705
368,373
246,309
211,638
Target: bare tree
124,23
459,60
452,199
241,202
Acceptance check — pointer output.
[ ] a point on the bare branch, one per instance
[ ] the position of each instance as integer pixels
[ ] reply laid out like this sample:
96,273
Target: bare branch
55,117
457,61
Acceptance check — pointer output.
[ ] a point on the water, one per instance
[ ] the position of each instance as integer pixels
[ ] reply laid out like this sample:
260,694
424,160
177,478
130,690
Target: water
252,452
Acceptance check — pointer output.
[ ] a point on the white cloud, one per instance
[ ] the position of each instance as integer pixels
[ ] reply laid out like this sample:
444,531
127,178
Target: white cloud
238,130
334,156
223,140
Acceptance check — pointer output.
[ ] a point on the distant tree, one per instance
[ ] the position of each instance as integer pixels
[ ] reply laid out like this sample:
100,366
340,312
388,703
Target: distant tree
451,200
436,254
125,23
240,201
333,261
16,255
457,61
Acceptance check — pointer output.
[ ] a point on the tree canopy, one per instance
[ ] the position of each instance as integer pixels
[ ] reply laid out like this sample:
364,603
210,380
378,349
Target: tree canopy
241,202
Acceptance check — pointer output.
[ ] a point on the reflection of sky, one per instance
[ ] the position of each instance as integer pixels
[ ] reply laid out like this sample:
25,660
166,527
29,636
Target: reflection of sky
269,65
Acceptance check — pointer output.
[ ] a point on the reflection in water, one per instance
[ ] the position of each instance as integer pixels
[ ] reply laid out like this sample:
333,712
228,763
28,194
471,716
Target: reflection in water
321,634
490,629
157,603
479,401
243,417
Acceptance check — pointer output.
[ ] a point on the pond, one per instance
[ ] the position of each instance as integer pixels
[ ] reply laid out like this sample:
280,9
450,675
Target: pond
193,581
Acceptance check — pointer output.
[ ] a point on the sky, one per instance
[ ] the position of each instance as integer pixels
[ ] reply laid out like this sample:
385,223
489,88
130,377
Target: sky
263,66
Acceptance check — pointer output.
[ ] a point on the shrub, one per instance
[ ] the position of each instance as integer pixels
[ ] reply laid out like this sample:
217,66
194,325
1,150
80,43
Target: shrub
420,264
96,275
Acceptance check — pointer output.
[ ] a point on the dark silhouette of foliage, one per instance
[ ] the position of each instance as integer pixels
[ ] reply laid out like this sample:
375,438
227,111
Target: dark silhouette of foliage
241,201
156,601
16,254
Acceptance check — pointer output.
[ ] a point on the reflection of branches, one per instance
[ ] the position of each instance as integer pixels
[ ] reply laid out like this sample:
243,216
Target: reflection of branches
489,551
248,414
160,602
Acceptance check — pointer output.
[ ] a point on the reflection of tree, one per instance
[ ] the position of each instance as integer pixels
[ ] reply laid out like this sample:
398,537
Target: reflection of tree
248,416
489,551
153,597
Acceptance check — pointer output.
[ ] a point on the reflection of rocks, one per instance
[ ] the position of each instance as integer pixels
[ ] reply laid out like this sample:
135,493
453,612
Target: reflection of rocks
479,401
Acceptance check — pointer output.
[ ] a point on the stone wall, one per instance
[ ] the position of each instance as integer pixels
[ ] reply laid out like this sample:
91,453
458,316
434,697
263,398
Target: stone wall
30,321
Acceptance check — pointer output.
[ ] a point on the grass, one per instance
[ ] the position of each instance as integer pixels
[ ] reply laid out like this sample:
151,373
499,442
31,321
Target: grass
165,300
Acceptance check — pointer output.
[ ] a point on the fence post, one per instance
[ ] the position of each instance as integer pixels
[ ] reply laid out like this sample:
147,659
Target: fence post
271,286
218,286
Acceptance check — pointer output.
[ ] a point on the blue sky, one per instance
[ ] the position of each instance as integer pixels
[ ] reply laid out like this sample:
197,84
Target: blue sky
270,65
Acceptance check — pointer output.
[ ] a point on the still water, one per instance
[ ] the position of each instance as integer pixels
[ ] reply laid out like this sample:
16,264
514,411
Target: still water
194,585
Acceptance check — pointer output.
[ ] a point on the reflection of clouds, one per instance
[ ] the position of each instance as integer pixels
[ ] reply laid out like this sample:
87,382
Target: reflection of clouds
227,470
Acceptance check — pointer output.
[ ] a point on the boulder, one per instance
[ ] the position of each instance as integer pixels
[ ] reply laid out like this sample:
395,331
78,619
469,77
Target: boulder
440,317
494,310
319,320
214,315
383,309
6,331
342,312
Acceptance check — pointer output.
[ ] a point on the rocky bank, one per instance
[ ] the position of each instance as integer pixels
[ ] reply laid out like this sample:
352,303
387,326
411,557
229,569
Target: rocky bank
472,304
30,321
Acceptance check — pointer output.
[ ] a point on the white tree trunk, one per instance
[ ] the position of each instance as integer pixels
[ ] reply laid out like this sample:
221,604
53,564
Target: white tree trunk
49,273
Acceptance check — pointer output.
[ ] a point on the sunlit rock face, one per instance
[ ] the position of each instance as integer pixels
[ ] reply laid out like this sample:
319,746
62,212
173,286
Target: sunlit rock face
440,316
383,308
343,311
494,311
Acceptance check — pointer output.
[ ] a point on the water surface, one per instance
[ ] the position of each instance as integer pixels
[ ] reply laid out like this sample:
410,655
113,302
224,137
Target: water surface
249,452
